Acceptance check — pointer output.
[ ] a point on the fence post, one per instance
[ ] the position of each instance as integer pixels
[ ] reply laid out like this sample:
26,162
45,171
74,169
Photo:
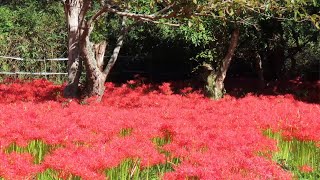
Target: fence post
45,68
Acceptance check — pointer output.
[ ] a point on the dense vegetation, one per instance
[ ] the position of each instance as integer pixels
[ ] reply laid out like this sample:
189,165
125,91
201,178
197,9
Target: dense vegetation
31,31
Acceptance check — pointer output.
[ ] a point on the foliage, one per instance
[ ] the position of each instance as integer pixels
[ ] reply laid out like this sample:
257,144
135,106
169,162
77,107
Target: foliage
32,30
142,129
211,20
303,47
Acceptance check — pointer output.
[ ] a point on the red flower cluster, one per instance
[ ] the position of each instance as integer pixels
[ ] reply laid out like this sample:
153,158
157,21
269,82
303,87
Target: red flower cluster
306,168
213,139
36,90
17,166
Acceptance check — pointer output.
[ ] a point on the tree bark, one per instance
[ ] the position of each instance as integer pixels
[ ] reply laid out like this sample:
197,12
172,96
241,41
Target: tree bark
99,51
215,81
95,77
72,12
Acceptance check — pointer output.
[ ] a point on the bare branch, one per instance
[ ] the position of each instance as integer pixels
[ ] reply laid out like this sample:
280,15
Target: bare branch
155,16
165,9
230,53
114,56
84,9
99,14
144,17
158,22
128,14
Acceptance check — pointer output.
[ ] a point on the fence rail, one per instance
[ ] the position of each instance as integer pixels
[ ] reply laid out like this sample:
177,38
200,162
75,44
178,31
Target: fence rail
42,71
21,59
33,73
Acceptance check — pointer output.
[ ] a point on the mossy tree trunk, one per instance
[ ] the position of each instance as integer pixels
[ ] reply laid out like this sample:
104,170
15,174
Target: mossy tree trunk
214,89
215,80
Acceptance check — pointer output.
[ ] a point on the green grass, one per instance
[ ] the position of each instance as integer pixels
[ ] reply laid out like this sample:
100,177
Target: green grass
125,132
294,154
37,148
50,174
130,169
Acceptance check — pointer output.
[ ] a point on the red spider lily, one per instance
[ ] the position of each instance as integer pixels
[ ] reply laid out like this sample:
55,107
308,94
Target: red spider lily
306,168
212,139
18,166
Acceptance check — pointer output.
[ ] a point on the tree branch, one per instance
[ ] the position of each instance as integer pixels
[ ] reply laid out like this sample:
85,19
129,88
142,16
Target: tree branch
114,56
158,22
230,53
85,8
108,8
165,9
144,17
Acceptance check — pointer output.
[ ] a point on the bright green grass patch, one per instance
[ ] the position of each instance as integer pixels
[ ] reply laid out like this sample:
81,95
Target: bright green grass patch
302,158
130,169
54,175
48,175
126,132
37,148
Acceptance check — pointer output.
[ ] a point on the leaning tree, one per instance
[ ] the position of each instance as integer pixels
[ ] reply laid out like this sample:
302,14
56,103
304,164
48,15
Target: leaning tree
237,16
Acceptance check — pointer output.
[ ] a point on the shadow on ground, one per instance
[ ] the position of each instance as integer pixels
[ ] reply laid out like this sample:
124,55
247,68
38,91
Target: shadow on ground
307,91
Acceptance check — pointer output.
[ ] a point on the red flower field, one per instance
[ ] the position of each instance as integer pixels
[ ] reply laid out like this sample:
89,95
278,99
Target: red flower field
149,127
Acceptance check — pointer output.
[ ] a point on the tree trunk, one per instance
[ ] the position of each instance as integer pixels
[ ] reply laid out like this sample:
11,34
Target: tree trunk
215,81
277,58
99,51
116,50
213,90
95,83
293,51
293,67
259,69
95,77
80,46
72,12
